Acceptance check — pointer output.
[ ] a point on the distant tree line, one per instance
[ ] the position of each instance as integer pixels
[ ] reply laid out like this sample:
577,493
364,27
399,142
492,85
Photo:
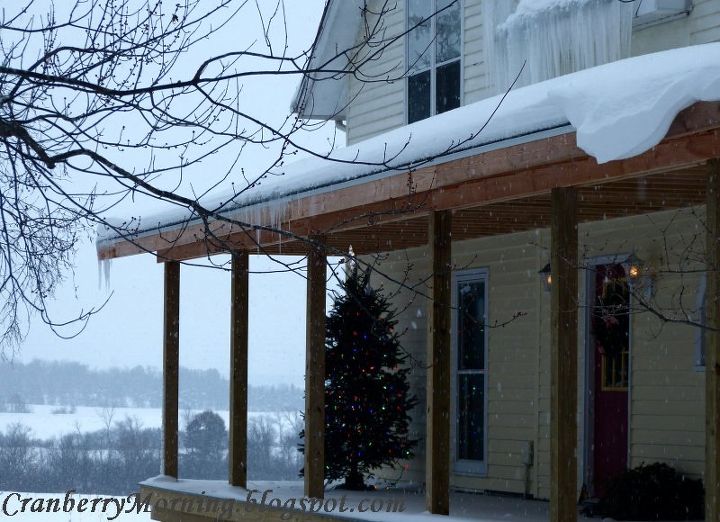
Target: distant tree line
74,384
112,461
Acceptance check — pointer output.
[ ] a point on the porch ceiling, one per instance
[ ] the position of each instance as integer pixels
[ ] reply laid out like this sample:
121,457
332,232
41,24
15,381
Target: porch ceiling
651,193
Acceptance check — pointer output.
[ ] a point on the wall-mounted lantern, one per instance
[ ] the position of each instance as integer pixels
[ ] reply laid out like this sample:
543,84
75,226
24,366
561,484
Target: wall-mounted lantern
546,277
633,266
639,275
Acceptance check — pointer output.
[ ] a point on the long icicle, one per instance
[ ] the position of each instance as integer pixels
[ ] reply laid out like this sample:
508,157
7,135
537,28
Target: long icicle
556,37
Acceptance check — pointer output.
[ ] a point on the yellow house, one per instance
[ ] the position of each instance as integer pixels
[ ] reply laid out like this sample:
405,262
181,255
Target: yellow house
544,197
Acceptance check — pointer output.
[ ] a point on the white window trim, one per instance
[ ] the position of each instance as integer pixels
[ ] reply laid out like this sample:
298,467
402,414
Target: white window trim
667,11
463,466
434,66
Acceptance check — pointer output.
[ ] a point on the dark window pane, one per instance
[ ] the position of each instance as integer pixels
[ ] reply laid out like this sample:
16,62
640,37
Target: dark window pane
471,416
419,38
471,325
448,87
447,27
418,97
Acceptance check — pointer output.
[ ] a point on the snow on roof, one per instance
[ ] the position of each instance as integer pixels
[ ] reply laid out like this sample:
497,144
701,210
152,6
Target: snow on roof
618,110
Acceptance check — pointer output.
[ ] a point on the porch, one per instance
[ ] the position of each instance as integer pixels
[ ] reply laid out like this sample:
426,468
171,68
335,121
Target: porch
541,182
215,500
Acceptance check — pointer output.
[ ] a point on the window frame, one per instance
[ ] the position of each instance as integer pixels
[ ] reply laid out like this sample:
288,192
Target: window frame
433,65
465,466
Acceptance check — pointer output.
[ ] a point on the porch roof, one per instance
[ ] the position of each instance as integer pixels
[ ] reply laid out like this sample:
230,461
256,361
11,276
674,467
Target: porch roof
375,194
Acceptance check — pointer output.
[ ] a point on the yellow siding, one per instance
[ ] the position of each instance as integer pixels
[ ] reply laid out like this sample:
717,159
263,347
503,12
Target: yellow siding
666,409
377,96
379,106
705,22
475,67
701,26
512,386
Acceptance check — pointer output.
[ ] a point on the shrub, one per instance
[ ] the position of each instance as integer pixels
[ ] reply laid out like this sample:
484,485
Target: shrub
653,492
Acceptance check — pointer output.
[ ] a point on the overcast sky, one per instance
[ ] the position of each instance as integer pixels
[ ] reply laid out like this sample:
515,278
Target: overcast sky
128,331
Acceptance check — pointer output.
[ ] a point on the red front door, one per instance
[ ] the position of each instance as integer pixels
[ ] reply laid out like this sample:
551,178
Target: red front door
610,340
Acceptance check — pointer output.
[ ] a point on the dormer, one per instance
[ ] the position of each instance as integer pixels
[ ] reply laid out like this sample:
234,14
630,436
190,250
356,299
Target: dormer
413,59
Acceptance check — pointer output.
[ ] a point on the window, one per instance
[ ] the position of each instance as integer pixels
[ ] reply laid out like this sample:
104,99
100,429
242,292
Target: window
470,369
434,56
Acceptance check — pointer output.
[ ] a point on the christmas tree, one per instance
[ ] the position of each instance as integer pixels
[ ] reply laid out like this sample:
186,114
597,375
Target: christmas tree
367,395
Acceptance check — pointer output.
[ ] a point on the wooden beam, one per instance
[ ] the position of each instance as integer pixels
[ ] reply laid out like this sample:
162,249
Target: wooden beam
315,370
237,446
171,368
501,175
437,469
564,355
712,347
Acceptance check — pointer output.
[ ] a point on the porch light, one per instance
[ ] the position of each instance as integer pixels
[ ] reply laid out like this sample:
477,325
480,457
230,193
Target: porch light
639,276
546,277
633,266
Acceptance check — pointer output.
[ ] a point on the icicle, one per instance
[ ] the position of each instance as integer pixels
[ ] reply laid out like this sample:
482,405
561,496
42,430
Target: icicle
556,37
350,265
104,266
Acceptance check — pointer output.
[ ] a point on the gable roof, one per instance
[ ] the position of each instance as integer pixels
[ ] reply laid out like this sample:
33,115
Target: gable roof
323,95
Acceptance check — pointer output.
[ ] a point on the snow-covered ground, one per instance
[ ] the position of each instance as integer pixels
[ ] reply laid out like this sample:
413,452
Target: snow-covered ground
45,424
40,508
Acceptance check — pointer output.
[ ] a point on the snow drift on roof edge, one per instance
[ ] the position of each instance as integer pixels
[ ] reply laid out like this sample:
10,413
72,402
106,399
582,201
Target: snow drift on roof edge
619,110
623,109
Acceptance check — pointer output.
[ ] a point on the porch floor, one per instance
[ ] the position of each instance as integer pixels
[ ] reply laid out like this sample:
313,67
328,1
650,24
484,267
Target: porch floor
463,506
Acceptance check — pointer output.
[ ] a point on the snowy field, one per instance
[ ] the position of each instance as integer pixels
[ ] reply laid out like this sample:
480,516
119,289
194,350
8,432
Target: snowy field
45,424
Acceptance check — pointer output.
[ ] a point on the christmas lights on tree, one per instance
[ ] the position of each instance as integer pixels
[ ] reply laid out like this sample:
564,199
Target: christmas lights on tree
367,397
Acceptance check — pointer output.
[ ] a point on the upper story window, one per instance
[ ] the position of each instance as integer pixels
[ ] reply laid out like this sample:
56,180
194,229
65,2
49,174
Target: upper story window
434,57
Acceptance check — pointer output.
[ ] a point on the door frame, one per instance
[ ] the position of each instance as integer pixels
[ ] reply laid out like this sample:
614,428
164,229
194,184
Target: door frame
589,369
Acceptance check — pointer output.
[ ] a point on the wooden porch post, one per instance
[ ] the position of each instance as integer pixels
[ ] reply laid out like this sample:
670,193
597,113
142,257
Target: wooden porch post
712,347
437,468
563,375
237,447
171,353
315,371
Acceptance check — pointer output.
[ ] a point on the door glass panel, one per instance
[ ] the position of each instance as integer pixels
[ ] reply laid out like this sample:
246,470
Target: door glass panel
418,96
447,23
615,371
471,325
611,326
419,38
448,87
471,415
